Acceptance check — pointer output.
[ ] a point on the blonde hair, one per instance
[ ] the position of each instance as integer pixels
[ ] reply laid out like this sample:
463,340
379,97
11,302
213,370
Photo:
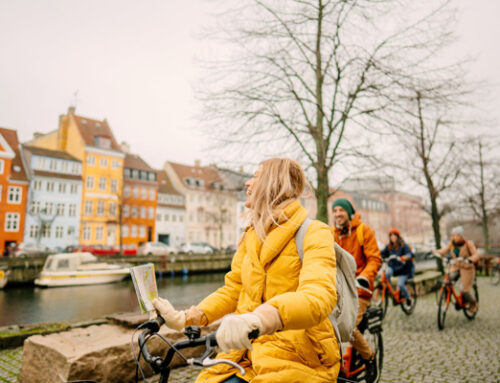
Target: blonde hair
280,182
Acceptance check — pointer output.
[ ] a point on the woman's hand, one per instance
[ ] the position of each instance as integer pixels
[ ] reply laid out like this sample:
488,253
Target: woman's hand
173,319
234,329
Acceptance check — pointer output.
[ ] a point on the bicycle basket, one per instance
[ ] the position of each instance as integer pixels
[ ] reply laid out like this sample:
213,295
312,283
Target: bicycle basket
374,317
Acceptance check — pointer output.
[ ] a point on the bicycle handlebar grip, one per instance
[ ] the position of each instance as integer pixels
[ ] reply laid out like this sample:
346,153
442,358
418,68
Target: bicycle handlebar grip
254,334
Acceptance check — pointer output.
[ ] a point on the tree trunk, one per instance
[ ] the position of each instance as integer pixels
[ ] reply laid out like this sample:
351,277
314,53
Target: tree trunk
322,191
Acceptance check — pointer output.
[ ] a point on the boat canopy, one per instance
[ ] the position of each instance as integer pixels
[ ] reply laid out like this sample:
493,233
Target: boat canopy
68,261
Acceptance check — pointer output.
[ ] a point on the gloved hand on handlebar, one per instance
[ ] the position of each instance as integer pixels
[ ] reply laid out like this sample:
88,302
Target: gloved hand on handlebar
234,329
173,319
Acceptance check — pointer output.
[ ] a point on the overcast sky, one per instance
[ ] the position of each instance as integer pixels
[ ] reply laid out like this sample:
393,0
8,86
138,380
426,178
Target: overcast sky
135,63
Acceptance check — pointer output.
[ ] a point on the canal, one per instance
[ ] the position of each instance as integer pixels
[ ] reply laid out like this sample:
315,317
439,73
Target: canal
29,304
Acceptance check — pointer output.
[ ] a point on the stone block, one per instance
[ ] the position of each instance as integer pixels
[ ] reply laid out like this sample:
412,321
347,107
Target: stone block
101,353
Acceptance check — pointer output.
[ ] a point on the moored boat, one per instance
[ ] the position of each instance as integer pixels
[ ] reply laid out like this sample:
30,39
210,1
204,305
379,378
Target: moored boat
4,277
77,269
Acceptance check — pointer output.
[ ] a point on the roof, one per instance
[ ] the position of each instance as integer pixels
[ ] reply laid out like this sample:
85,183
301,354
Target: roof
43,173
165,184
90,128
133,161
18,172
51,153
206,173
237,181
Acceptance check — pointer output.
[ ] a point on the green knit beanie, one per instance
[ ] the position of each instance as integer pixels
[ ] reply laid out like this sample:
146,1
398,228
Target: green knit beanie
346,205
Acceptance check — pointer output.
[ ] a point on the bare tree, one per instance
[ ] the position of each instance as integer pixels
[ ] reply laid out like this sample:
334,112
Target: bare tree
313,78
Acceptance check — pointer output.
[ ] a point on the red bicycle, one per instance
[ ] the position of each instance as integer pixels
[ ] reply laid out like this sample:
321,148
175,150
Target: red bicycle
447,295
384,288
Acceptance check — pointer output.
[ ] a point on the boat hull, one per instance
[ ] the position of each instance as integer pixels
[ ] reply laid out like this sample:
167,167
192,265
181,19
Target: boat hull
4,278
75,278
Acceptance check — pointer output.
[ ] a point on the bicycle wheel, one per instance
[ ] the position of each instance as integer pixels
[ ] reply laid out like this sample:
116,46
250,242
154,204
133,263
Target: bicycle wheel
470,315
412,291
379,300
376,343
442,307
495,275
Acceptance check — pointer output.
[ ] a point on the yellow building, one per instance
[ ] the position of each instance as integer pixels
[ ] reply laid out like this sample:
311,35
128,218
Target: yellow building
92,142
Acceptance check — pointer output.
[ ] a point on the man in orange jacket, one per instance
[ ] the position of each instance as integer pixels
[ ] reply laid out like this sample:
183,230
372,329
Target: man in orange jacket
359,240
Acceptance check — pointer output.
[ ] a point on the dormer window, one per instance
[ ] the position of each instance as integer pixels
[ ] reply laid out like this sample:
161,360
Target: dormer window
102,142
187,181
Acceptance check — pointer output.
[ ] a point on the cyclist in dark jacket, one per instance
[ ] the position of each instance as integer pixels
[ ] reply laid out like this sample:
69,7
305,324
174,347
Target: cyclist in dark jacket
402,265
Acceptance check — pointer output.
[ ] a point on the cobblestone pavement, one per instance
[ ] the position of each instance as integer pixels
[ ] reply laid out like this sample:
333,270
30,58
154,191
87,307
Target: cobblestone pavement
414,349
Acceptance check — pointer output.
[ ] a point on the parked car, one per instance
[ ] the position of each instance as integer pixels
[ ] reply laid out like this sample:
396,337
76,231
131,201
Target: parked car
100,249
155,248
24,249
230,249
196,248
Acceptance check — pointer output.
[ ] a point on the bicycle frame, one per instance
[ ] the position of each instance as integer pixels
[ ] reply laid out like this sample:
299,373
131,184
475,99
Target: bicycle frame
346,368
451,294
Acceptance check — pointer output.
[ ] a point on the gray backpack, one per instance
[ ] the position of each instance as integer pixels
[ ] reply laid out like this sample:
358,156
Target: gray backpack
345,312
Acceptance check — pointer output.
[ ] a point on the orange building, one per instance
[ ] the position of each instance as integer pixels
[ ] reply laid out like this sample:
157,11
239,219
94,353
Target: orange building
138,206
13,191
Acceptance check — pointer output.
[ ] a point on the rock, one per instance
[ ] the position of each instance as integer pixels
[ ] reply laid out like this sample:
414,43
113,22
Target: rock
100,353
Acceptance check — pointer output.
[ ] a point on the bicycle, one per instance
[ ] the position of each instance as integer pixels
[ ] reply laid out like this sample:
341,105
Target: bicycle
495,273
448,295
353,366
384,288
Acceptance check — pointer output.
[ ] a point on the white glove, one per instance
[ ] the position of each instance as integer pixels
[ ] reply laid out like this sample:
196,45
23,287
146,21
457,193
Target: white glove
234,329
173,319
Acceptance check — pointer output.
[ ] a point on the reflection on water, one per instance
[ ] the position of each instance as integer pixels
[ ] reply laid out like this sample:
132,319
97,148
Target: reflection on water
27,304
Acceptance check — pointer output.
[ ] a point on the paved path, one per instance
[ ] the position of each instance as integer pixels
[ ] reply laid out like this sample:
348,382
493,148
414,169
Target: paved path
415,350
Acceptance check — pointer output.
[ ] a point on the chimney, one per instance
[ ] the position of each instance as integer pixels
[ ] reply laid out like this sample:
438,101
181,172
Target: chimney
197,163
71,110
37,135
125,147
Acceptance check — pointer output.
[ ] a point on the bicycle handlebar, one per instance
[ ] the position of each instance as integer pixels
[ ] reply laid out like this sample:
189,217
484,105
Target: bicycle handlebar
194,340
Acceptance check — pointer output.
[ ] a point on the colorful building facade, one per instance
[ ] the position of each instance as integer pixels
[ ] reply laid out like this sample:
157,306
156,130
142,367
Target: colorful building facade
13,191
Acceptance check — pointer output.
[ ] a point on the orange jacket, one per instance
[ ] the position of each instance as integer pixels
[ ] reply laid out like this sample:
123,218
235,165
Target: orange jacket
368,259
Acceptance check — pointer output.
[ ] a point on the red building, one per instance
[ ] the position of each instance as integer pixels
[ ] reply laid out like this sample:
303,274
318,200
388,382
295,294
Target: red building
13,191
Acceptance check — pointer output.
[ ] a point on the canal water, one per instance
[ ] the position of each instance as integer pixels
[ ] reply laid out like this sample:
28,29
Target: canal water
28,304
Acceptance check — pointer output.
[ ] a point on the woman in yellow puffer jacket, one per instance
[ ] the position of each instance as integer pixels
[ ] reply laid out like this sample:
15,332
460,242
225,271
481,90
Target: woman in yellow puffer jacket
268,288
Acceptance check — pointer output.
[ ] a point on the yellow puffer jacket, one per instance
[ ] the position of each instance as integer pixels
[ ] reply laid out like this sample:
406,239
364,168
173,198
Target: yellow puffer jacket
306,349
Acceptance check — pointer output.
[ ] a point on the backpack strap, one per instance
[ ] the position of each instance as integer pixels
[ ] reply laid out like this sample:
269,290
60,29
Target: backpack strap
300,235
299,238
360,234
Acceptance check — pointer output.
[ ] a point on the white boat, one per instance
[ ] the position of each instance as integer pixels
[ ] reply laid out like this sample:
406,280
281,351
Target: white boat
77,269
4,277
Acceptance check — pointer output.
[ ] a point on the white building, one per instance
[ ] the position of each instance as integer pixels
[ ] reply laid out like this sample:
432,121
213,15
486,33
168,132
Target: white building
210,203
54,197
170,213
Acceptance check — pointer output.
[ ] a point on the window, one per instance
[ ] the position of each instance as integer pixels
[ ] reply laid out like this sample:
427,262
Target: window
102,183
144,193
2,165
181,218
50,186
74,189
87,233
133,231
115,164
136,192
34,230
59,231
152,194
127,173
88,207
191,216
135,174
101,205
75,169
143,212
62,187
52,165
126,210
37,185
167,217
91,160
47,210
64,166
124,231
142,232
35,207
158,217
99,233
60,209
12,221
134,211
151,212
46,232
72,210
14,194
114,186
174,218
112,209
71,231
126,191
90,182
102,142
103,163
152,176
